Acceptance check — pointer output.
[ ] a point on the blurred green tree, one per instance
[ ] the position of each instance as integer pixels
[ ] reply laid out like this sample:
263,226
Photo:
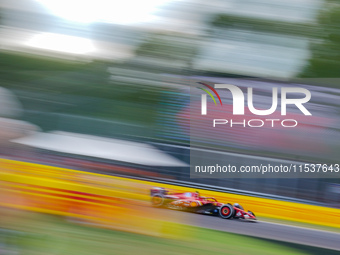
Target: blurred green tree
168,47
230,21
325,47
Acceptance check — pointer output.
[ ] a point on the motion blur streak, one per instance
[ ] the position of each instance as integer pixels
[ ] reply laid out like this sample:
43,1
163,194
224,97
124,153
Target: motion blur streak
114,203
111,11
62,43
113,200
103,87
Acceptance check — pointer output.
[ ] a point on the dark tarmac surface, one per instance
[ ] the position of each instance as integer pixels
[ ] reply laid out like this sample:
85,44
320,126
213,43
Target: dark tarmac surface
275,231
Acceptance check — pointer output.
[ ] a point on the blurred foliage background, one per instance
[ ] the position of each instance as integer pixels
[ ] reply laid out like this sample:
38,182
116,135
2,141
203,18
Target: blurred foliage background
325,46
129,84
263,39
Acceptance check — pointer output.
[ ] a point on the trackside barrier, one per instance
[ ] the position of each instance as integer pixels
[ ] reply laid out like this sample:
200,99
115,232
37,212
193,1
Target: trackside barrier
107,202
271,208
124,203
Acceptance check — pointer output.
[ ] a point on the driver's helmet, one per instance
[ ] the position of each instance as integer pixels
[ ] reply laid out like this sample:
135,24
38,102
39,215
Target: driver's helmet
160,190
238,206
197,194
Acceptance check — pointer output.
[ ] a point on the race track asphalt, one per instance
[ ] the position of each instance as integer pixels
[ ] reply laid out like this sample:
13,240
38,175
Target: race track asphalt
274,231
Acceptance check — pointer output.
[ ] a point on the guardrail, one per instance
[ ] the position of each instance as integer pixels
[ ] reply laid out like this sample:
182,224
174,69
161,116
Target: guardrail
316,190
205,187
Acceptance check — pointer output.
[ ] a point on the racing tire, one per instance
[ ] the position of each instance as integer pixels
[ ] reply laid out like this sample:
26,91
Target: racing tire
157,200
226,211
234,213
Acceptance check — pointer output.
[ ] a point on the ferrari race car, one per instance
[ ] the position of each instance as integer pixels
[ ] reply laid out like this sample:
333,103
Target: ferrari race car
193,202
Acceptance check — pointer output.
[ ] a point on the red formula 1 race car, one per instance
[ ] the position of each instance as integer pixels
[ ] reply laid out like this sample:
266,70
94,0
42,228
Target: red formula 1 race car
193,202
